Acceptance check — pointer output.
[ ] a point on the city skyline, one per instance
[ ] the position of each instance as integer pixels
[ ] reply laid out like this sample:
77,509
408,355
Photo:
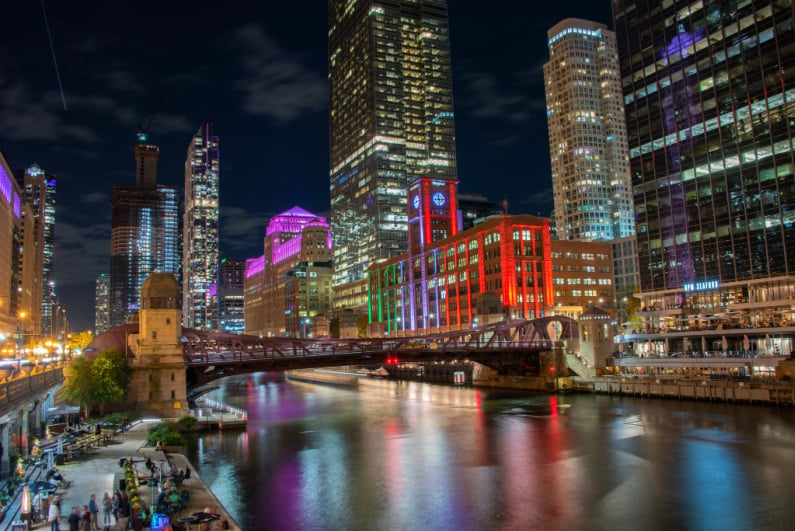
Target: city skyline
269,104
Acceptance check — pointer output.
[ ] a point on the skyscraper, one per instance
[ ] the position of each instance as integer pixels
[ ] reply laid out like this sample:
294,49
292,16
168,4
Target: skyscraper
297,244
709,91
391,122
588,139
101,304
39,188
200,232
144,233
230,296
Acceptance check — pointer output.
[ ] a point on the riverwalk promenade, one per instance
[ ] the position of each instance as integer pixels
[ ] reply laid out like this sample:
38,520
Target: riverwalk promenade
98,472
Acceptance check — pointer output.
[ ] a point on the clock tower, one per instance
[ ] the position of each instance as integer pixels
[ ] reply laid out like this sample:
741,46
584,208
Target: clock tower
432,212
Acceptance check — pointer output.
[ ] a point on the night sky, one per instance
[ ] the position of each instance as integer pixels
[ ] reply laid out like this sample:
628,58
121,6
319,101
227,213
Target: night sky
258,71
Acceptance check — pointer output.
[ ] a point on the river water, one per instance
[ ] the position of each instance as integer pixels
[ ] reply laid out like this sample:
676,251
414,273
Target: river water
399,455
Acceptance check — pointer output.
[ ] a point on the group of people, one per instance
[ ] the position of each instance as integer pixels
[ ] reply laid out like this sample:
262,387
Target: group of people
87,520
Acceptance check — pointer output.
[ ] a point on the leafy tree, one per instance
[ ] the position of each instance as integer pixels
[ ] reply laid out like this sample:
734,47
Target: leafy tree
79,386
79,341
97,383
361,324
111,376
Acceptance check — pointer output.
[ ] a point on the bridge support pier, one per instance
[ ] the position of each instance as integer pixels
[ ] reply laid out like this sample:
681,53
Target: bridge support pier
157,384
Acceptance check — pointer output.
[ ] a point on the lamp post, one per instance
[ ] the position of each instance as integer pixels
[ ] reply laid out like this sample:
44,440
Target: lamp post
24,506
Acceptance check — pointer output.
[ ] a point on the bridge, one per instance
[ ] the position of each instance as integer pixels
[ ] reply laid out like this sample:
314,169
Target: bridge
504,346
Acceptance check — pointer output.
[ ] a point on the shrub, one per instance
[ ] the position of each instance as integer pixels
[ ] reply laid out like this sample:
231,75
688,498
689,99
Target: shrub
187,422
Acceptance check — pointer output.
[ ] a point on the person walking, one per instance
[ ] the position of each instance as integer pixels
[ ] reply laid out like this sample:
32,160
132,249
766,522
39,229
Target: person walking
85,522
53,515
107,507
74,520
93,509
116,506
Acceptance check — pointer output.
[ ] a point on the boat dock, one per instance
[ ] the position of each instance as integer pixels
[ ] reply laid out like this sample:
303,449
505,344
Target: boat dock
213,414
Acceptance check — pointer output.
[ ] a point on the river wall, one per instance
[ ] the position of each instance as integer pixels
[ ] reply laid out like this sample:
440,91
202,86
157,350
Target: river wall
697,389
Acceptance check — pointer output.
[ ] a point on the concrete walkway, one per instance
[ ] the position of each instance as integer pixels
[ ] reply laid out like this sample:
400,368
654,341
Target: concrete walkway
99,472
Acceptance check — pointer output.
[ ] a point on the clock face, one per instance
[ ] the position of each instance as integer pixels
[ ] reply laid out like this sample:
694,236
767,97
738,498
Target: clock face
438,199
416,201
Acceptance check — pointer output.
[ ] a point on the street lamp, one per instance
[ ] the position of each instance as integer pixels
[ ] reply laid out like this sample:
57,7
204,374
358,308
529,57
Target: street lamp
24,506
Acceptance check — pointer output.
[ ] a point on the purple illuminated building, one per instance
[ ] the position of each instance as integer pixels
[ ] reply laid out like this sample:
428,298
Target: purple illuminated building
297,246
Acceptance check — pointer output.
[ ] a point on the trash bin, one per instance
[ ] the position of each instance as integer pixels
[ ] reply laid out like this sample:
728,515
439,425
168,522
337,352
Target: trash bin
122,484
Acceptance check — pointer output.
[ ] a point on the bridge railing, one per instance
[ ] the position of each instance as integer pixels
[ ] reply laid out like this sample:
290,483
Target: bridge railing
24,386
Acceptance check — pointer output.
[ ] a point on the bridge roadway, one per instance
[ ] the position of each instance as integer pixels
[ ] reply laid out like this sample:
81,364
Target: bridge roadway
209,355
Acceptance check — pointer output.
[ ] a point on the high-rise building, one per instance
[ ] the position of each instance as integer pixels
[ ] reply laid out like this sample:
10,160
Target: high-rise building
391,122
588,140
19,305
709,91
296,243
39,190
473,209
101,304
200,232
144,234
230,296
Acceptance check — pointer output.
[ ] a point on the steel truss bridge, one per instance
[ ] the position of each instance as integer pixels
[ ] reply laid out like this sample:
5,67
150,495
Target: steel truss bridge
509,346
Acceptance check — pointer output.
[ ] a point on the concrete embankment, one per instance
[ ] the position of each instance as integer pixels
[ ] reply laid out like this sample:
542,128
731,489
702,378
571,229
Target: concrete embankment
750,392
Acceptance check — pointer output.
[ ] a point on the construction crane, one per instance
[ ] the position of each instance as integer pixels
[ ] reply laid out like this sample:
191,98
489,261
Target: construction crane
143,130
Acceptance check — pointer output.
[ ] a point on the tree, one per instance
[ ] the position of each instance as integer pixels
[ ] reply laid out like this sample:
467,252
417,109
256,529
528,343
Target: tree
111,376
97,383
79,386
79,341
362,324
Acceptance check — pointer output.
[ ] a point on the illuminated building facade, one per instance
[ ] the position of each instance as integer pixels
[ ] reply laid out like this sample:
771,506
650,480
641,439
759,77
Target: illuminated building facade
582,274
308,295
296,241
588,140
18,271
709,92
391,121
230,296
39,190
200,232
101,304
144,234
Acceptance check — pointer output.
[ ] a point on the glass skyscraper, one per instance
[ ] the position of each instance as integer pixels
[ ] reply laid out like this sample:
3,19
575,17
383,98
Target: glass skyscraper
709,92
101,304
588,142
391,122
587,133
144,234
200,232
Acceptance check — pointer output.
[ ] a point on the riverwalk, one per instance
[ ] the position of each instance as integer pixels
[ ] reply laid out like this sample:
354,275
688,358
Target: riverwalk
99,472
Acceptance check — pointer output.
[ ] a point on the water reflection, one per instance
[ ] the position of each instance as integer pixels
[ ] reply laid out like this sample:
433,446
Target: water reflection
412,456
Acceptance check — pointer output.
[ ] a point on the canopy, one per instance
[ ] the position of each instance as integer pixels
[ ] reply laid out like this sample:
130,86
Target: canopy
63,409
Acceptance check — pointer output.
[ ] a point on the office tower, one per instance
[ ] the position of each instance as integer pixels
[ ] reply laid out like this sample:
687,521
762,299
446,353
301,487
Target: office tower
709,91
297,243
200,232
144,234
230,296
101,304
39,190
391,122
18,304
588,139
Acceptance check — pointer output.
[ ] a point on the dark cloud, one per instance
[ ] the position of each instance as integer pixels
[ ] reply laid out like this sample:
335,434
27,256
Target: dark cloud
82,252
242,230
275,83
29,117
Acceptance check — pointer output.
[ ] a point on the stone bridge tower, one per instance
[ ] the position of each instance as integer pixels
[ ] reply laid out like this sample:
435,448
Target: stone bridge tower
157,384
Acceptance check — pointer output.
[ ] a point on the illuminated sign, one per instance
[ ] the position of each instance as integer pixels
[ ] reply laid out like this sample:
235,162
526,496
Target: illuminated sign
438,199
416,201
701,286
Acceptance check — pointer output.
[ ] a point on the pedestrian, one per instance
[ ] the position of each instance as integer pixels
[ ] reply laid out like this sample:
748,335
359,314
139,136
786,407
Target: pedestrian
86,520
45,507
53,515
107,507
93,509
116,506
74,520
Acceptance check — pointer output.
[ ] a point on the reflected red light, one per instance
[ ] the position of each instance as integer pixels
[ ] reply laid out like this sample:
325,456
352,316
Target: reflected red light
551,368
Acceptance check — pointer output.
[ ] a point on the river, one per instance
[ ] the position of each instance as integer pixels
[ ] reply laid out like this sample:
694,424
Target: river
401,455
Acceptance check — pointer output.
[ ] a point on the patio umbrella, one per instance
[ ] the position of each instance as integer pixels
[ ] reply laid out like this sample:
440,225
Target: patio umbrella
205,516
724,345
36,486
746,343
